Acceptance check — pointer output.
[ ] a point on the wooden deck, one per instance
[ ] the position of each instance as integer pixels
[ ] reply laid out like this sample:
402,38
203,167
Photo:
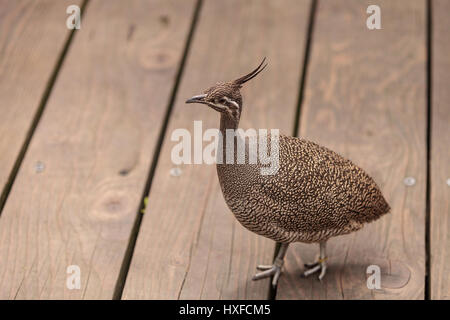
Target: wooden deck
86,117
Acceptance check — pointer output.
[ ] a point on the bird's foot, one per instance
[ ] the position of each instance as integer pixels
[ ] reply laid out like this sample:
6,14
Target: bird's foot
315,267
270,270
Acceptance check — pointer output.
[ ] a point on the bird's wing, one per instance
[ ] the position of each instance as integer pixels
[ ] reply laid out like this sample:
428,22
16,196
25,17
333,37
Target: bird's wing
317,189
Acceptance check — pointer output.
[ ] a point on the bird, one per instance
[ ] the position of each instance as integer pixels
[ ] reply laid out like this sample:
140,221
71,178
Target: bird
315,194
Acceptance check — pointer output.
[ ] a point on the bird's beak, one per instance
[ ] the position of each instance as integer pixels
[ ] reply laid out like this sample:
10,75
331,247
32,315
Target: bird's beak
197,99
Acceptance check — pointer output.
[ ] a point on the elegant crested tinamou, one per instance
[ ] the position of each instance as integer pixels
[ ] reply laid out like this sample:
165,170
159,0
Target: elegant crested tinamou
316,194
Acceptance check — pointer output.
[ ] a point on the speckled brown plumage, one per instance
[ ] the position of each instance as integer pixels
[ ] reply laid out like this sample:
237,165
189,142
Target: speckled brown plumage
315,194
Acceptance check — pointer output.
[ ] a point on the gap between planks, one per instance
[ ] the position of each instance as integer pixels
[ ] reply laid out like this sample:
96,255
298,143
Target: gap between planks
38,114
135,232
429,35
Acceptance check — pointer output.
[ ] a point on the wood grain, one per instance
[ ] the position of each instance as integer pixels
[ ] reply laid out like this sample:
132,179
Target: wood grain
440,154
95,142
190,246
32,37
366,99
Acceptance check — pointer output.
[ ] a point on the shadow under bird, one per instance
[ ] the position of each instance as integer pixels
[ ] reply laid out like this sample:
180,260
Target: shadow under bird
316,194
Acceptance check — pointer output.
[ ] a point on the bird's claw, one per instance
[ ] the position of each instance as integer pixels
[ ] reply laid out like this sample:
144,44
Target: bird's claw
264,267
315,267
268,271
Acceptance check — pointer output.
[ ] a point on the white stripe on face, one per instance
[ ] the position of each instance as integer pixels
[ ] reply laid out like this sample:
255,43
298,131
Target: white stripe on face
234,103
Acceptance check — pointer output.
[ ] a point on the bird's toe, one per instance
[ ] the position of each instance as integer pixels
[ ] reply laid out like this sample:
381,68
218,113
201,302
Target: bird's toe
269,271
264,267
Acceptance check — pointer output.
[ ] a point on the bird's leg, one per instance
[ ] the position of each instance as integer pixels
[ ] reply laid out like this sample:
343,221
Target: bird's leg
275,268
321,264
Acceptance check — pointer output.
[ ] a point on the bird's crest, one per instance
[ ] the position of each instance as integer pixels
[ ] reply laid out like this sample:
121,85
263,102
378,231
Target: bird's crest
240,81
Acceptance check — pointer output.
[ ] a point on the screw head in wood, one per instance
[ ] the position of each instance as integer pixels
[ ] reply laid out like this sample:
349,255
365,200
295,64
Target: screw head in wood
39,166
409,181
175,172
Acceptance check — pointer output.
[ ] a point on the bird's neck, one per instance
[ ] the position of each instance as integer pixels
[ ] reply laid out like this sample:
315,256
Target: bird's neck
230,172
228,122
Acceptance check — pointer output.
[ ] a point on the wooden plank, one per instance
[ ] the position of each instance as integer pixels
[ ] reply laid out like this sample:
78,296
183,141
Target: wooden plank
440,154
32,37
366,99
190,246
95,142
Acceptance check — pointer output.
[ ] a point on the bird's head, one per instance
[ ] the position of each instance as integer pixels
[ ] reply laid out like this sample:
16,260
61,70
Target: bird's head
226,97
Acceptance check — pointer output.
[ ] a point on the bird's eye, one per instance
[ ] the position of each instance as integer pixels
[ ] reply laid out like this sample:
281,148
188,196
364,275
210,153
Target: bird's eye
222,100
